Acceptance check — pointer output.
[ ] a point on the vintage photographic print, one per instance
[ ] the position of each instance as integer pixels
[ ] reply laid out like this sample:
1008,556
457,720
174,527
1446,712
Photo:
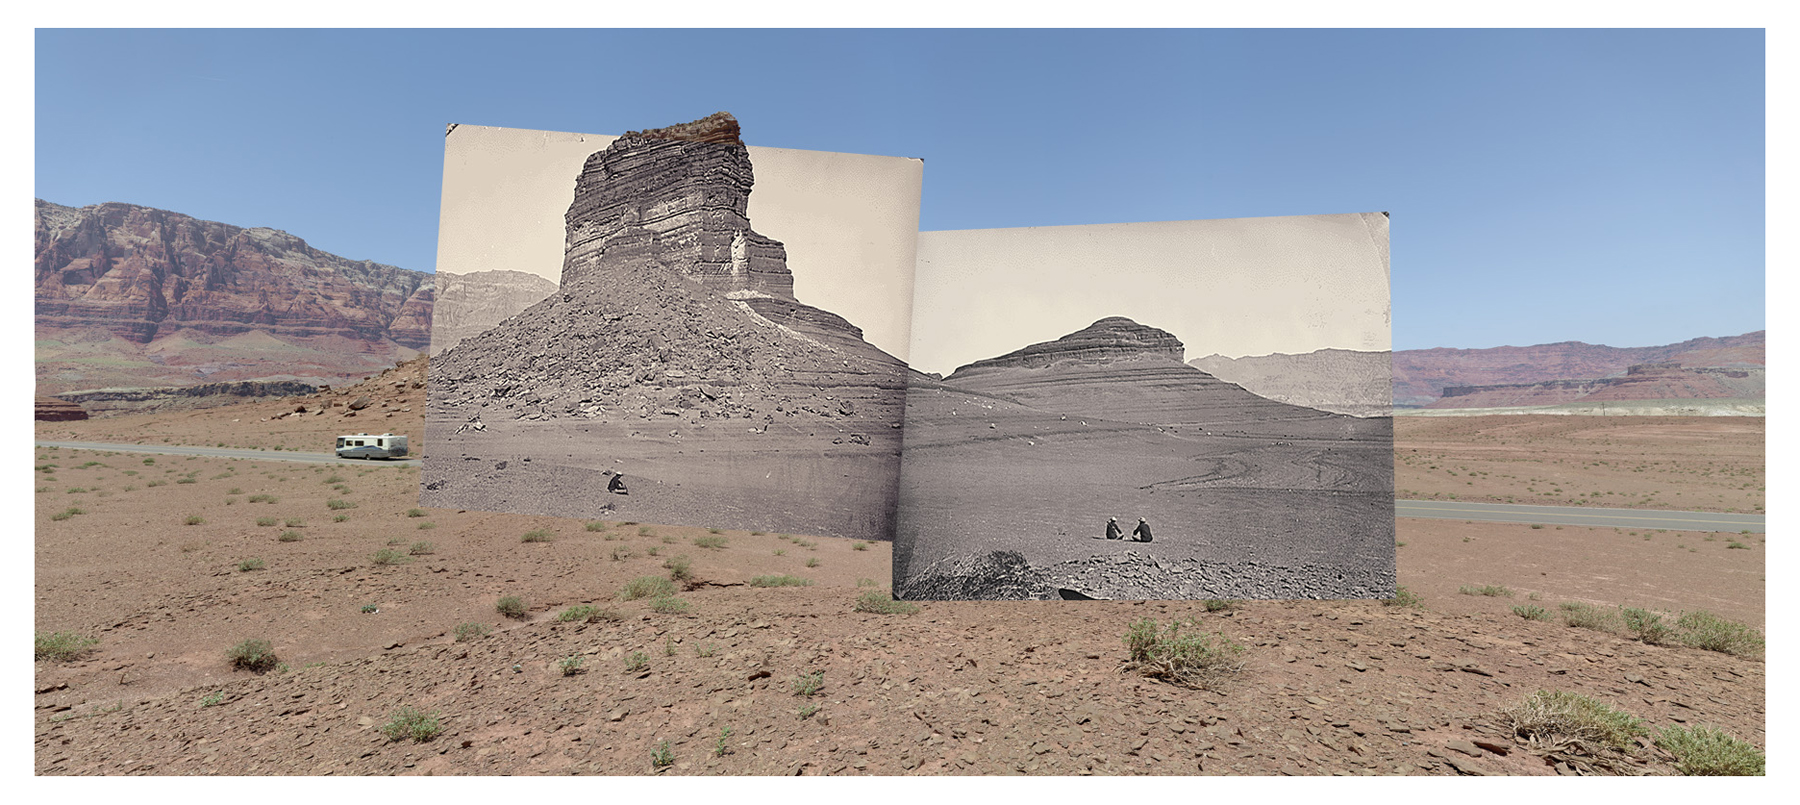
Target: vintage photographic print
667,349
1181,410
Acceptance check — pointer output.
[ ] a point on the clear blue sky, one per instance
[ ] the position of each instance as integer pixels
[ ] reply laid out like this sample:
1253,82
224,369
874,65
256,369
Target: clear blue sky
1601,186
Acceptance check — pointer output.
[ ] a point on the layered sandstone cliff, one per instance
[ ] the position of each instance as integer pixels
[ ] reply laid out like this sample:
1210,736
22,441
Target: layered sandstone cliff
1421,375
134,296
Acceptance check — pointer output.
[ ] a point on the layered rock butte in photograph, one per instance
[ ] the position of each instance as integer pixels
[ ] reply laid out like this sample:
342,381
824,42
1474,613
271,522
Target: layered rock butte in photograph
1013,464
675,353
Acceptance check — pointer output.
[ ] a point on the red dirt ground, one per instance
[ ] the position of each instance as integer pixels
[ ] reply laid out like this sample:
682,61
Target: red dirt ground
956,689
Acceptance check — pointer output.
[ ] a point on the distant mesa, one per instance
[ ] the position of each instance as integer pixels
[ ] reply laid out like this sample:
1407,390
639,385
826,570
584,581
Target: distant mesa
52,409
1657,381
1422,375
1110,339
1120,370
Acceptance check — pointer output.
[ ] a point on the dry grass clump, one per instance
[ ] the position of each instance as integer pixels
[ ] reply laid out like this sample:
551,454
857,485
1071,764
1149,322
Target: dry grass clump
779,581
1195,659
881,602
647,587
411,722
1704,630
1491,590
62,646
1553,716
1707,752
1403,598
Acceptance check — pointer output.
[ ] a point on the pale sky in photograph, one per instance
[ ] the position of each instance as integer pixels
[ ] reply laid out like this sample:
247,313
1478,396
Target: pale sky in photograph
849,221
1236,287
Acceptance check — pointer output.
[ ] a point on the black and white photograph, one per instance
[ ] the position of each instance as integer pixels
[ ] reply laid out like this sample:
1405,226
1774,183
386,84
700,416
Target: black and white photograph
679,341
1177,410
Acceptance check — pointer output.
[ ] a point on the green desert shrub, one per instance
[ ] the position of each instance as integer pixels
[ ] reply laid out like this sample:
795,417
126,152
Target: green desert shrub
415,512
422,548
411,722
1194,658
596,525
511,606
1218,605
880,602
580,613
1404,598
1708,752
638,661
62,646
538,535
1704,630
469,631
1588,616
647,587
680,568
1492,590
1531,612
253,655
668,605
336,504
1646,625
709,542
779,581
570,665
1549,715
250,564
194,519
289,536
266,521
809,684
389,556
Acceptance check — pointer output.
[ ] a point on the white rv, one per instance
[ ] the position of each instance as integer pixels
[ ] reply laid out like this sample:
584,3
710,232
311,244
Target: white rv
364,445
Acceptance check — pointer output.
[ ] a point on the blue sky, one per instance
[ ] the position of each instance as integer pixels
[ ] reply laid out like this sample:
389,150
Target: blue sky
1601,186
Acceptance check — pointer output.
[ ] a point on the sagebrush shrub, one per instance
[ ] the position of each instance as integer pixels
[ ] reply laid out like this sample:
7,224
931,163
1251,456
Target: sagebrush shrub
511,606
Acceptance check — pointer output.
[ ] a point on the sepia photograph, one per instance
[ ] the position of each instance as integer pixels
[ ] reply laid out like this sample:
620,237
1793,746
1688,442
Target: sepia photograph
1211,422
652,354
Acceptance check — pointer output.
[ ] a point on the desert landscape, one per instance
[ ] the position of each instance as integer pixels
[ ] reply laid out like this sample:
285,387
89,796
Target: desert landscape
1011,467
716,679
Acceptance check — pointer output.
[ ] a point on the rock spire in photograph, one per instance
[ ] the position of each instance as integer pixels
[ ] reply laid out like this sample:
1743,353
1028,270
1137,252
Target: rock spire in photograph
674,331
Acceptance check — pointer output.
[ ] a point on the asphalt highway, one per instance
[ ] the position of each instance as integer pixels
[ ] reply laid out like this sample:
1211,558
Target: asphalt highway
225,452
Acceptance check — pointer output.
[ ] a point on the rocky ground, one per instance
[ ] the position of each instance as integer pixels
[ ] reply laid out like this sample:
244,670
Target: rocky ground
1355,687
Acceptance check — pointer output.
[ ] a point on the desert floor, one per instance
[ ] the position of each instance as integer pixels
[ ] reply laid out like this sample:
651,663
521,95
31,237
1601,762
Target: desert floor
150,567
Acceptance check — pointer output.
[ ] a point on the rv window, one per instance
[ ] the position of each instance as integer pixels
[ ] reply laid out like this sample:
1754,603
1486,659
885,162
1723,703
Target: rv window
378,443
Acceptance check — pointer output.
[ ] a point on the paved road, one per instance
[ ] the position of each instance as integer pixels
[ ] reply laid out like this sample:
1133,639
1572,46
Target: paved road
1579,515
222,452
1433,509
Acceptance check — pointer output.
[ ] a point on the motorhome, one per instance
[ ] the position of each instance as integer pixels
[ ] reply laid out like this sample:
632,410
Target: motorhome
365,445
